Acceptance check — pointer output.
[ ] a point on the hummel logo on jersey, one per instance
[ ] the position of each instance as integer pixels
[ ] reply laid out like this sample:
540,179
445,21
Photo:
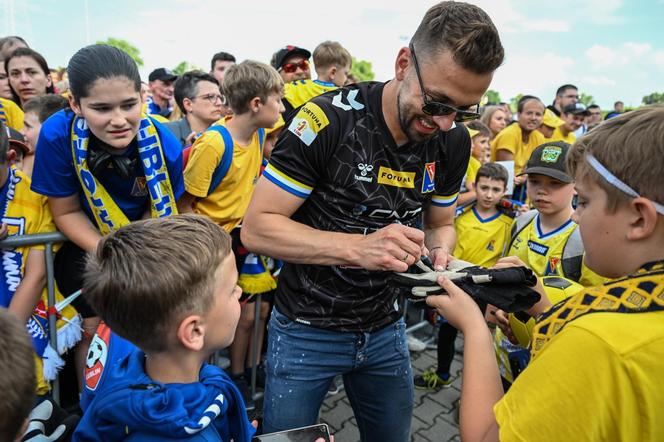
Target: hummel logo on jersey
352,104
364,170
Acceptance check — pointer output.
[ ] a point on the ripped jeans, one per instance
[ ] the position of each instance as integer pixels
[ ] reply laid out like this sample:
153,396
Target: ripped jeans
303,360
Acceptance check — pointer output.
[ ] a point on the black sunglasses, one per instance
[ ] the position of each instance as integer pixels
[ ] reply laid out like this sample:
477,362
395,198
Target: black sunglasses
435,108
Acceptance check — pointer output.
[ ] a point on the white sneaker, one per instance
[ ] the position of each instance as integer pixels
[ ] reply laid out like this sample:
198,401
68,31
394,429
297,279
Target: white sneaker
415,344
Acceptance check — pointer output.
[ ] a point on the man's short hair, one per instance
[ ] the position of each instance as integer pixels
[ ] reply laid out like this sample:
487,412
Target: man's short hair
562,89
331,53
523,100
248,80
593,106
617,103
463,29
18,381
493,171
45,106
482,128
640,166
221,56
146,277
186,86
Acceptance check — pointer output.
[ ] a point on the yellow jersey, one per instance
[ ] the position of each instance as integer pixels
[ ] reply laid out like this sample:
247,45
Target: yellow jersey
11,114
480,240
558,136
298,92
598,377
227,202
511,140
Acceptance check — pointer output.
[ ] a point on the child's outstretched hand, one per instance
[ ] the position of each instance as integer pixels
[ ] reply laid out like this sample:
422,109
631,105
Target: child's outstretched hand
456,306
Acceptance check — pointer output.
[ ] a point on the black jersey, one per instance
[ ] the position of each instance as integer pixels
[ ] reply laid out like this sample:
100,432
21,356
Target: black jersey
338,154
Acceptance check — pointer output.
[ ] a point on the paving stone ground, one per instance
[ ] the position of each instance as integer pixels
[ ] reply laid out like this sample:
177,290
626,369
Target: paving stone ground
434,412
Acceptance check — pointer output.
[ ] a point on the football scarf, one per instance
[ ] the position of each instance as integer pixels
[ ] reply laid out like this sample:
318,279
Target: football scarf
108,215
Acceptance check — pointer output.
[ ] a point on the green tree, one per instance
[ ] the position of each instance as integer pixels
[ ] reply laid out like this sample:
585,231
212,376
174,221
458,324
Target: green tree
492,96
129,48
654,98
185,66
362,70
586,99
514,101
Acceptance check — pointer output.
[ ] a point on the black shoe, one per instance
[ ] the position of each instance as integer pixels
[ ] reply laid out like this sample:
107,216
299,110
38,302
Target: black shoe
242,385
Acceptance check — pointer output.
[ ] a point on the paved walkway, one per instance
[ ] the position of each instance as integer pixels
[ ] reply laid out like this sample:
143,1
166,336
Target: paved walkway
433,416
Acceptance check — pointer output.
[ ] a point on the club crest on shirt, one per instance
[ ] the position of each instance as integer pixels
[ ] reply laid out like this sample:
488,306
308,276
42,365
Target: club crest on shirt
428,182
552,266
140,187
308,122
491,246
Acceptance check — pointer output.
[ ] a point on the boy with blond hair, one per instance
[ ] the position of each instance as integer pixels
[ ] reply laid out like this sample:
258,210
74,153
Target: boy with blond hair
598,356
332,63
168,286
223,168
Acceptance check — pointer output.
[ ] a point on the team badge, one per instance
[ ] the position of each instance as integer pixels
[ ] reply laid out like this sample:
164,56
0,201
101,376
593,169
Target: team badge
428,182
552,267
308,122
550,154
491,246
97,355
140,187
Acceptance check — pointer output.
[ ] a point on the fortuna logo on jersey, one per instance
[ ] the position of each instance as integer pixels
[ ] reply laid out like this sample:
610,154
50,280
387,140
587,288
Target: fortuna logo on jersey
428,183
552,267
308,122
396,178
364,170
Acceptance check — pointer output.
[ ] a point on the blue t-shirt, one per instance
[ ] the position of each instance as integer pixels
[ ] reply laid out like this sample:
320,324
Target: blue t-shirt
54,173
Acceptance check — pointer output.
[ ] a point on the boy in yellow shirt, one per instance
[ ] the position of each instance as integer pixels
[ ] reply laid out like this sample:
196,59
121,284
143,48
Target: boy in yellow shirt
332,62
597,358
479,139
546,239
224,166
482,229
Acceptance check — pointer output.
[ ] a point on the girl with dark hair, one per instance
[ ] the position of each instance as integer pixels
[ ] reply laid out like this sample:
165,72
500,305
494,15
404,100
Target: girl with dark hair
29,75
103,164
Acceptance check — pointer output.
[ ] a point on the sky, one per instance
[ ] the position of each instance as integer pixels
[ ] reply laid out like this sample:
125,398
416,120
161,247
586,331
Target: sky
611,49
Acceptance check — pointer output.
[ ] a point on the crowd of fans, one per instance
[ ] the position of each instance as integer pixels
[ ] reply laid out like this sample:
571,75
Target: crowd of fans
107,159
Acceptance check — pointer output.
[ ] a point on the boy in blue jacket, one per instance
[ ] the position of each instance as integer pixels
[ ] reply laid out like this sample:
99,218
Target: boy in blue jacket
169,287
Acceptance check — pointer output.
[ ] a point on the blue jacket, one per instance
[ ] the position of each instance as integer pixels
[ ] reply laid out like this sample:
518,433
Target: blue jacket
133,407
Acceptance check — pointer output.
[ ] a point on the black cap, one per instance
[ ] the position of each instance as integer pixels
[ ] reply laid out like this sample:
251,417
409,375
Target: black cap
16,139
576,109
162,74
288,51
549,159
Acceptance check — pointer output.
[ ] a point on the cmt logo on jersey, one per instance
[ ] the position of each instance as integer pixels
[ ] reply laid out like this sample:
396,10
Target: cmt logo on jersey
428,184
396,178
491,246
552,267
538,248
394,214
308,122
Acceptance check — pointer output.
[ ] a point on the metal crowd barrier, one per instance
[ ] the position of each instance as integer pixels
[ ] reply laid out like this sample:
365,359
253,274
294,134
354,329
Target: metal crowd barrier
47,239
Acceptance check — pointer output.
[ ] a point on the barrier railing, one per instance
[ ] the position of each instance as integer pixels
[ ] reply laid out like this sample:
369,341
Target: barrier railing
47,239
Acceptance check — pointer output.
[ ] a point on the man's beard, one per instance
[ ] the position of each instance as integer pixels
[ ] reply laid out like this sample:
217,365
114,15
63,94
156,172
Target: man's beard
406,122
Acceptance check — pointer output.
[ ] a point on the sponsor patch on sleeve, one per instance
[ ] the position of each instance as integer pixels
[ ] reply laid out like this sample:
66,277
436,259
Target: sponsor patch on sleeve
308,122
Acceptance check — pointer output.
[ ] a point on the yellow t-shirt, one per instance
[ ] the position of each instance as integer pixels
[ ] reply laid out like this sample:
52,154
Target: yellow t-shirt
298,92
227,204
558,136
481,241
510,139
11,114
599,378
473,166
26,213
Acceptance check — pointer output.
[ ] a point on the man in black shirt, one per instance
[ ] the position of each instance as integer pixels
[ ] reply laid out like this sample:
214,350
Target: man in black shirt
348,185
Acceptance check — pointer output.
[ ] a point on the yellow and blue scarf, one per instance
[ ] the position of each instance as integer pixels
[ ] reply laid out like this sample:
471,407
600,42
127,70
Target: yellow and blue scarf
637,293
108,215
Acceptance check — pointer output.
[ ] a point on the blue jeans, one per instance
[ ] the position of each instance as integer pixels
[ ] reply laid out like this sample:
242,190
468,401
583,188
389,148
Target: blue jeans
303,360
